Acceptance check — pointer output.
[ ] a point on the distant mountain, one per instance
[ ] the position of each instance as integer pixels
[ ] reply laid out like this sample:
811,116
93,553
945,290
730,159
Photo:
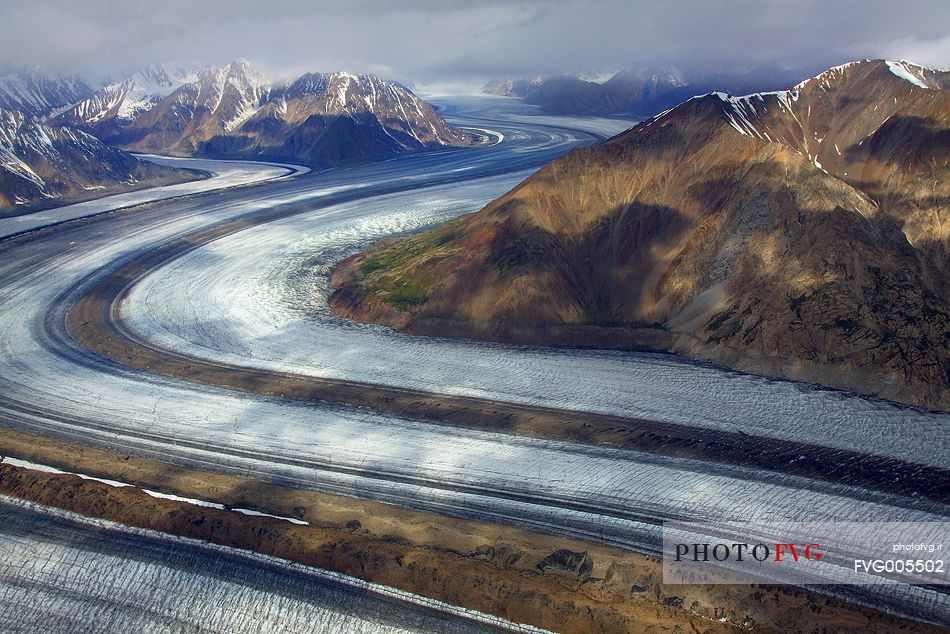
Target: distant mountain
519,87
802,233
40,163
217,101
561,94
336,117
38,93
234,111
636,91
118,104
646,85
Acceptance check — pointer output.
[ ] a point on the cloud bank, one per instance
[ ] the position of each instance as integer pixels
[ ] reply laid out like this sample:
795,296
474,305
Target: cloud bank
430,40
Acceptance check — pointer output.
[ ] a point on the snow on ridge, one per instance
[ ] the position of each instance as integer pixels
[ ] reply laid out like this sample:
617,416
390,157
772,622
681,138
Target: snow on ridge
38,92
657,117
595,77
138,92
742,112
905,70
343,87
660,115
825,75
908,71
12,123
245,111
676,78
15,130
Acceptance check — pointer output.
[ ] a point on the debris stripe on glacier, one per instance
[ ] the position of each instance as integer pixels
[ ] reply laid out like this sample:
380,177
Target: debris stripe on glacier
903,600
62,559
258,298
224,174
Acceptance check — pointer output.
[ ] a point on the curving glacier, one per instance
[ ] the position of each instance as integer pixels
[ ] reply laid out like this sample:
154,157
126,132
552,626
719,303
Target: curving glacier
60,572
258,297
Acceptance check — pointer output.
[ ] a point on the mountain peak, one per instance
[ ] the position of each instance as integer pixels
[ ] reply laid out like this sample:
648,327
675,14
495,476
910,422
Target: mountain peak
915,74
920,76
754,114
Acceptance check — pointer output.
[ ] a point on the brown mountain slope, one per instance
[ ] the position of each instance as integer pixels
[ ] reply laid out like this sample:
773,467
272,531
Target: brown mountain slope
801,234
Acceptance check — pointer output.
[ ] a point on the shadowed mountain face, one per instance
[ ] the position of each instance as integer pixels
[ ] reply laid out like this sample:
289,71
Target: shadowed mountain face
233,111
40,163
801,234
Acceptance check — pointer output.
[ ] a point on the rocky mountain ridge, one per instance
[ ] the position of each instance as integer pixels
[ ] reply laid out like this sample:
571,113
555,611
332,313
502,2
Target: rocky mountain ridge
40,163
801,233
62,138
235,111
125,100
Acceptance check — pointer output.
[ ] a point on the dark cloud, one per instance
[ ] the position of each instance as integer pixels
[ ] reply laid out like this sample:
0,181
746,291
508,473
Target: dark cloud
421,40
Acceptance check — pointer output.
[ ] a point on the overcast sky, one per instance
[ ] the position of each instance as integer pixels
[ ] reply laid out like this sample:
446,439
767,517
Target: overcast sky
467,40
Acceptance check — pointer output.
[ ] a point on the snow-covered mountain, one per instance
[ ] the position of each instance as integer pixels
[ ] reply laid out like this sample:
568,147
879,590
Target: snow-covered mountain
235,111
40,162
39,93
125,100
333,117
217,101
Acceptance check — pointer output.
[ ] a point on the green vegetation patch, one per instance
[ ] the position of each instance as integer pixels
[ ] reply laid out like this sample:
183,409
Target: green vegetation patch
395,273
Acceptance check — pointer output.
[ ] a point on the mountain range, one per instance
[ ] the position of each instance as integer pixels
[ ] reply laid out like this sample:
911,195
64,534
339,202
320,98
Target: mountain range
42,164
39,93
640,92
235,111
800,233
122,101
62,138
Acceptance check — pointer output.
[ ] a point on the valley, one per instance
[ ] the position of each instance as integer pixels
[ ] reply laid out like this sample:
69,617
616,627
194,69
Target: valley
540,317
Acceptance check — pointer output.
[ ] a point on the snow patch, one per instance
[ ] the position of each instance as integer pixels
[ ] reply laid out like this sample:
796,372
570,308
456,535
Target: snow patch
292,520
908,72
825,76
26,464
